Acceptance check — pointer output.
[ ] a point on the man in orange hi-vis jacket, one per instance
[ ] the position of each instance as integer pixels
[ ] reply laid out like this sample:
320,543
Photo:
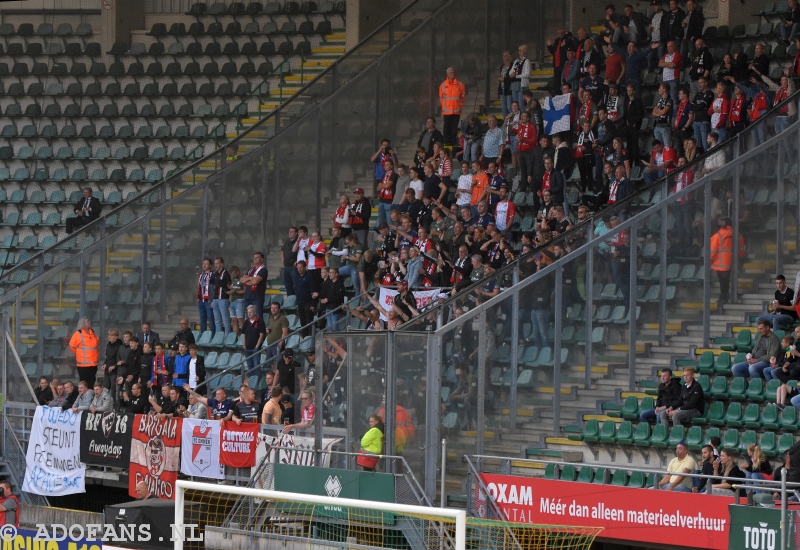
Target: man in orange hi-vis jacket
452,94
86,346
722,250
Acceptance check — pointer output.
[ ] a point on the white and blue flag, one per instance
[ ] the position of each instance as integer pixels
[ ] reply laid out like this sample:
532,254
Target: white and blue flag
556,114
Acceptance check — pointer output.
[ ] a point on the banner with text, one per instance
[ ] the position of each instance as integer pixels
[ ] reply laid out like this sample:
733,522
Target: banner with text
293,450
106,439
200,448
66,539
54,466
424,298
155,455
641,515
238,447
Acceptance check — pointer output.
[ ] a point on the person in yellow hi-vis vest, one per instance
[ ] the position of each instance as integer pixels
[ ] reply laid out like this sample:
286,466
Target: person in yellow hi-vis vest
452,95
721,250
86,346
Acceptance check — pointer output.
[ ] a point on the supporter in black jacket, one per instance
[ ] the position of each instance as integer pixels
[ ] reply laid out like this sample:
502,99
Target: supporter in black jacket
669,391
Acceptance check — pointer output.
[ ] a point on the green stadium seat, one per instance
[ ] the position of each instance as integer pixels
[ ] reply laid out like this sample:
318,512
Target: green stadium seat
624,432
705,365
659,436
641,435
620,478
608,432
586,475
550,471
749,437
785,443
600,476
768,443
694,438
733,416
636,480
751,417
738,388
744,341
755,390
730,439
591,429
568,473
205,339
788,420
676,435
772,388
705,383
652,479
769,418
713,415
719,388
723,363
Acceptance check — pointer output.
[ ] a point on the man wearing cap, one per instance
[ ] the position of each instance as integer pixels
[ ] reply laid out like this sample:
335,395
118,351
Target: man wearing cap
688,405
286,371
683,463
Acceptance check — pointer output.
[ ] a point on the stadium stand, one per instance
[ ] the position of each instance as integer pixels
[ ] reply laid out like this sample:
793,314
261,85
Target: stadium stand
609,334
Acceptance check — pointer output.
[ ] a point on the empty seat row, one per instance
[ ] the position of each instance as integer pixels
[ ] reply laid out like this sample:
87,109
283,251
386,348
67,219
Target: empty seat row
45,29
601,475
661,436
217,9
150,89
108,131
74,49
235,28
114,110
65,152
212,49
81,174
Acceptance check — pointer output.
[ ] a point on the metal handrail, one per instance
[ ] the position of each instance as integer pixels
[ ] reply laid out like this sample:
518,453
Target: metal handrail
420,494
750,482
297,332
579,229
495,508
82,231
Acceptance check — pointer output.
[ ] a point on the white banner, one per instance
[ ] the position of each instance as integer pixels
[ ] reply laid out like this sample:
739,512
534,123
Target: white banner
424,298
300,450
54,466
200,448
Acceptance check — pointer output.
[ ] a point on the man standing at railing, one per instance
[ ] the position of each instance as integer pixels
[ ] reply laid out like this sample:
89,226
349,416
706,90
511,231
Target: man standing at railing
253,333
87,210
452,94
85,345
255,282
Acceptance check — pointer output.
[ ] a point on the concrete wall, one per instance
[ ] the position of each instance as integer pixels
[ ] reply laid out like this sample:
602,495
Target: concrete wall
33,515
364,16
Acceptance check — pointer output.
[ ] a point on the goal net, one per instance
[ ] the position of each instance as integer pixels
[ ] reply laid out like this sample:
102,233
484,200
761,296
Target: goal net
241,518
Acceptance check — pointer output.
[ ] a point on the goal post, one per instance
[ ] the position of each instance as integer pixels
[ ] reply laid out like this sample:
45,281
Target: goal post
366,513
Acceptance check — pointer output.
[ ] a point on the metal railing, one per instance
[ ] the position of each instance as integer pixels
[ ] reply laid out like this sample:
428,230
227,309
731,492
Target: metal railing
14,455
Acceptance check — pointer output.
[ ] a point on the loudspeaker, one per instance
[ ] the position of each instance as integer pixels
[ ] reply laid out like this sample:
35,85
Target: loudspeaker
147,524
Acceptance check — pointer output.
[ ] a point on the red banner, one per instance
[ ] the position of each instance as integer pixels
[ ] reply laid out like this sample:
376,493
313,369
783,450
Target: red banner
238,444
155,455
642,515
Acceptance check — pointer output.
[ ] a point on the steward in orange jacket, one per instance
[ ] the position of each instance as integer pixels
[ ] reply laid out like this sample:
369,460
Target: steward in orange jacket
86,346
452,95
